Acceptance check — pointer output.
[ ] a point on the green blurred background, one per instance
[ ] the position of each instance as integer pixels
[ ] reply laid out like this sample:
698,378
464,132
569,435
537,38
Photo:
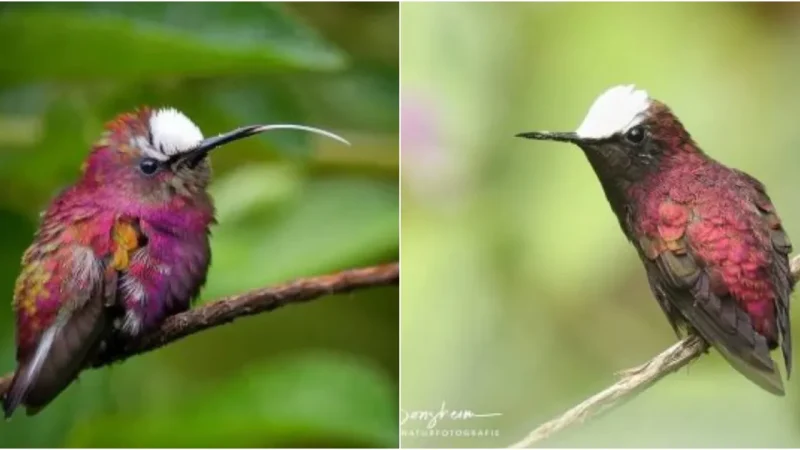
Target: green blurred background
520,294
289,205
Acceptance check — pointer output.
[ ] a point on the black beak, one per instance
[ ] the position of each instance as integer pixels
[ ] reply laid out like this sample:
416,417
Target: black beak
195,155
552,136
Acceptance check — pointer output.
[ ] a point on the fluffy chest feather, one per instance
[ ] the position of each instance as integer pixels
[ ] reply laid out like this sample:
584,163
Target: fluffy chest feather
163,276
720,221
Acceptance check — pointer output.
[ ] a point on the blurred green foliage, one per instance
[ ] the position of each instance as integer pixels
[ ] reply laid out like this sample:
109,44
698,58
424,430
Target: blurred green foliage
520,294
289,205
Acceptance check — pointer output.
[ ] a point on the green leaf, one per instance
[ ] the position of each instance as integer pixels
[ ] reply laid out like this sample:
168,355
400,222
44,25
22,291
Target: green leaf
55,157
330,224
135,41
309,400
252,188
84,399
275,105
366,96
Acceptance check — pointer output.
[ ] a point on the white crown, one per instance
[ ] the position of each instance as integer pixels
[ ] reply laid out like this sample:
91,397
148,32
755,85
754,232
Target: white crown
615,111
172,133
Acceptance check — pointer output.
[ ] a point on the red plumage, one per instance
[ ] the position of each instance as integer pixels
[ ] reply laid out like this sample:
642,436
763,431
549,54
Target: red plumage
119,251
715,252
115,254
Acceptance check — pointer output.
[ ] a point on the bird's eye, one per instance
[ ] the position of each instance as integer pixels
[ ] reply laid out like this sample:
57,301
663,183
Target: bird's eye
148,166
635,135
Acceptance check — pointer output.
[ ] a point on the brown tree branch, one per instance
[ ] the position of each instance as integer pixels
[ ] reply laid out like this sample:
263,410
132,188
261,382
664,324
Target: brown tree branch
631,383
257,301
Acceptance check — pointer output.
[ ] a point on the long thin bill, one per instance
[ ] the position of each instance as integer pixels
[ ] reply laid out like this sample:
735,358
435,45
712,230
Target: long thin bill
289,126
550,136
208,144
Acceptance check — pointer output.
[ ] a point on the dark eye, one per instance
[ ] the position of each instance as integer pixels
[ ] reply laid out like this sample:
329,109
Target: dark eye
148,166
635,135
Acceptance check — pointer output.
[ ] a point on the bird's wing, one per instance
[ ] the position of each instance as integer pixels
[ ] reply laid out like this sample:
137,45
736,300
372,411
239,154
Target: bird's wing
685,267
781,272
63,300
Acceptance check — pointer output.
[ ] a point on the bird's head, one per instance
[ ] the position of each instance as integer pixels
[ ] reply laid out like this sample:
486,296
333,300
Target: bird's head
626,134
159,154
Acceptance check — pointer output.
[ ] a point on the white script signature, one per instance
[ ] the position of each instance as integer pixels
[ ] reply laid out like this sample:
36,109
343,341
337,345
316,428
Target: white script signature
432,417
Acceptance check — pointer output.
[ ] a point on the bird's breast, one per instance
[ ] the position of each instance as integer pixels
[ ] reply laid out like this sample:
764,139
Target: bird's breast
711,215
164,276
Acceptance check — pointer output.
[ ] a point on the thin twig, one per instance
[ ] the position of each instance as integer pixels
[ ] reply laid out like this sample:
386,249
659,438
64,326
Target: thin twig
631,383
257,301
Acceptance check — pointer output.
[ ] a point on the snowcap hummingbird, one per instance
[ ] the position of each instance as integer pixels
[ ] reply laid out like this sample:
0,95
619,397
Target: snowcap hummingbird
117,252
713,247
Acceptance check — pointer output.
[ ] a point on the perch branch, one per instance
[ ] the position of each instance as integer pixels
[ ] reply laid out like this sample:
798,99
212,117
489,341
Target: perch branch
249,303
631,383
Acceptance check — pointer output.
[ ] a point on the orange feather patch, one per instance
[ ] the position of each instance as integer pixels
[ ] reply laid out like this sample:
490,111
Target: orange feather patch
126,240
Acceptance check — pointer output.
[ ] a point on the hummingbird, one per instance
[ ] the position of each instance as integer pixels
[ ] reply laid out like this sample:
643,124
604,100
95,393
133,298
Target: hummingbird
117,252
711,242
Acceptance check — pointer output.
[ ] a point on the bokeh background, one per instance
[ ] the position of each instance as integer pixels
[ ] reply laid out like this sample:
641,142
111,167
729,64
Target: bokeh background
520,294
289,205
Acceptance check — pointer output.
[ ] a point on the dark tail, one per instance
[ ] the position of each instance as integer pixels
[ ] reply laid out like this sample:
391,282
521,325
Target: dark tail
29,369
723,324
14,395
765,375
63,351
